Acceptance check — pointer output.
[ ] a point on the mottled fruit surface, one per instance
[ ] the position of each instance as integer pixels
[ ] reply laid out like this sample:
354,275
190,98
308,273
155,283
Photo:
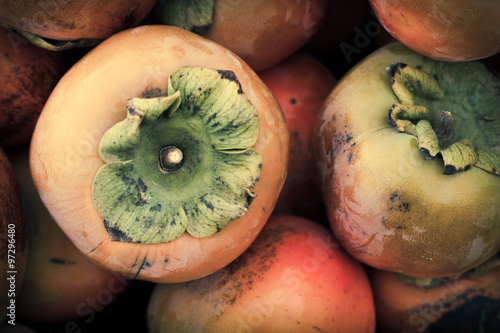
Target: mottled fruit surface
294,278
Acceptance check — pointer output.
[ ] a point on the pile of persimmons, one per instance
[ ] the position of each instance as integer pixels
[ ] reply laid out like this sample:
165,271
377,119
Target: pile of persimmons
250,166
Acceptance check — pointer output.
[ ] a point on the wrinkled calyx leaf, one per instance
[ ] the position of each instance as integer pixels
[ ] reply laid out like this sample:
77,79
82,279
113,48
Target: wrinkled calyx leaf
453,110
51,44
193,15
180,162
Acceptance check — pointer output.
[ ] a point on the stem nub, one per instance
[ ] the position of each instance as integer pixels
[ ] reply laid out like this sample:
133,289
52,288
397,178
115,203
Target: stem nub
170,159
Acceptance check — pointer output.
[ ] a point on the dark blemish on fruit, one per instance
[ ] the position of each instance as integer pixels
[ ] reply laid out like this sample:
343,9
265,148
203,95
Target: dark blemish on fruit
348,137
156,208
212,117
250,199
195,109
229,75
145,264
129,20
397,203
391,121
449,169
462,313
95,248
293,101
64,24
152,92
226,286
127,180
426,153
140,188
340,142
208,204
115,234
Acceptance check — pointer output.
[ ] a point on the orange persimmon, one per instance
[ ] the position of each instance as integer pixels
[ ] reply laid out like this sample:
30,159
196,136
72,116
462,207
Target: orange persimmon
294,278
301,84
261,32
468,302
84,116
55,24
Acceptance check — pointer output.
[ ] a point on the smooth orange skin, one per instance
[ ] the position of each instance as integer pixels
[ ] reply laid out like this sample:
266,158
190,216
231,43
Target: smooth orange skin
264,32
294,278
457,30
71,20
405,308
91,98
12,222
27,78
388,206
301,84
59,279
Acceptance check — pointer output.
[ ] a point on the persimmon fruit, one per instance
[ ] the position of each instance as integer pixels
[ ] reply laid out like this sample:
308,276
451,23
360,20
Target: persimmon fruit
87,149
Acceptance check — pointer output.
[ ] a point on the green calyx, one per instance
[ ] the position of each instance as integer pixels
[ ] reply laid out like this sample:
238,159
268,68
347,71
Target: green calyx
474,273
180,162
193,15
453,110
52,44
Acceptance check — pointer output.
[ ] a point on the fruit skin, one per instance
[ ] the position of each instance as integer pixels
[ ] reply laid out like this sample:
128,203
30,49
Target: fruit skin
264,32
13,247
457,30
390,208
59,279
71,20
293,278
457,305
91,97
301,84
27,78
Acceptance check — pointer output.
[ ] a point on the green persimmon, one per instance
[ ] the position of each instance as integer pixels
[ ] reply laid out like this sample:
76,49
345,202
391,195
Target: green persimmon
407,150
